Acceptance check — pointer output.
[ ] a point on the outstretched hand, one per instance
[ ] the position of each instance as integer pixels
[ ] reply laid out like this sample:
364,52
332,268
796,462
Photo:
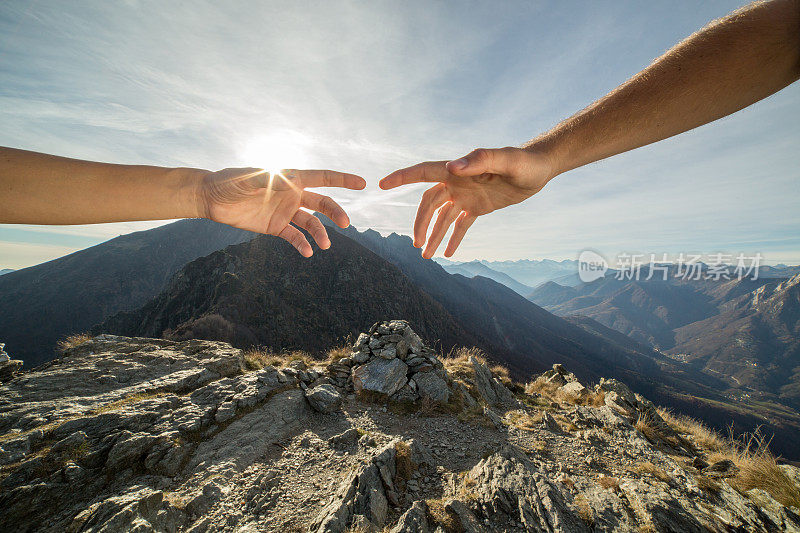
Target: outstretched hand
256,200
481,182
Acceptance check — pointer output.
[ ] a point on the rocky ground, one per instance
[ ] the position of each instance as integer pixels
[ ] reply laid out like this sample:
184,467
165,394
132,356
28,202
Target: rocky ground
132,434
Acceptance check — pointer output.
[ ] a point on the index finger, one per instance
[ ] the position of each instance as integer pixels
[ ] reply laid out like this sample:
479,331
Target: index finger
430,171
326,178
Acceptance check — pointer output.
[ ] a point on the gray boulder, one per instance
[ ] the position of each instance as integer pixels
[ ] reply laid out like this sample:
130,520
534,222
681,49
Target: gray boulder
324,398
430,385
492,390
384,376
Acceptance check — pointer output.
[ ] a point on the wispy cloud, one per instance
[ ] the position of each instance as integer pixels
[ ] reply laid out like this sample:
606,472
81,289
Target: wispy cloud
371,87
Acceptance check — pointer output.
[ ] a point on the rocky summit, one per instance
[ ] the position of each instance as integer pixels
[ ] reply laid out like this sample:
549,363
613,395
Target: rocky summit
136,434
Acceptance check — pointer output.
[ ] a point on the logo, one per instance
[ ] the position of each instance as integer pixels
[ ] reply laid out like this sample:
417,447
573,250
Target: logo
591,266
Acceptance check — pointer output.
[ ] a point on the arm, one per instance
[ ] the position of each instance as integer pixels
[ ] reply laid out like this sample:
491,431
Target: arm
44,189
730,64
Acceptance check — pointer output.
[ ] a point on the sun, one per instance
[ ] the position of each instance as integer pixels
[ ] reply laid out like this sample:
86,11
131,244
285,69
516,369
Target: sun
278,150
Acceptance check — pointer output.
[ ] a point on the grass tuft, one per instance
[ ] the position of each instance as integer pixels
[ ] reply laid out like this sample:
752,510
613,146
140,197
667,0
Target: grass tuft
608,482
646,467
72,341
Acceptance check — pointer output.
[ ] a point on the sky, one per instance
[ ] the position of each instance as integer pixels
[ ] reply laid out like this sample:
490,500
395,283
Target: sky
369,87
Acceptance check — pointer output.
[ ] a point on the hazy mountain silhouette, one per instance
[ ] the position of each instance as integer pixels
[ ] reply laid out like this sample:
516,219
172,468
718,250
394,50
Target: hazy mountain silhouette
476,268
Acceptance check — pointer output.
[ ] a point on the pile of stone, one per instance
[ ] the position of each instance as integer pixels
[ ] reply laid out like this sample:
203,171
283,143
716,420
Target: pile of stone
8,366
391,360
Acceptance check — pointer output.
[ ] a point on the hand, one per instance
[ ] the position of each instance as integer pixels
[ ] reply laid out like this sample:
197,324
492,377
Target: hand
256,200
477,184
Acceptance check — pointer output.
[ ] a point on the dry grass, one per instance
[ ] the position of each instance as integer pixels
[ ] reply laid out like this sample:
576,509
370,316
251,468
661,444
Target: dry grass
176,500
72,341
438,516
706,484
334,354
405,466
258,358
523,420
608,482
542,388
502,373
758,469
584,509
457,362
703,436
646,467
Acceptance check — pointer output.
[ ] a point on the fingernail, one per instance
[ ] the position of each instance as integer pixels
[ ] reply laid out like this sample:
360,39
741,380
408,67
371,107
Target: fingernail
459,164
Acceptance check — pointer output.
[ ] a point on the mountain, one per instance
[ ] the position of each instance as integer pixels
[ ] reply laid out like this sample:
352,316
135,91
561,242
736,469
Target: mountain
263,293
137,434
476,268
41,304
535,272
754,345
6,271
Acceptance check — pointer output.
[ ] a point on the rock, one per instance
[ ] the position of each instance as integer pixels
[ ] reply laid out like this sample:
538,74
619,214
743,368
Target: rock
415,520
324,398
430,385
388,352
549,423
507,485
360,357
142,506
9,368
380,375
574,388
347,439
466,520
721,469
361,494
4,358
489,387
407,393
129,450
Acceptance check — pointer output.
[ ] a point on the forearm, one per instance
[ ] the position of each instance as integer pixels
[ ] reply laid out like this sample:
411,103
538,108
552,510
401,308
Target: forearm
723,68
44,189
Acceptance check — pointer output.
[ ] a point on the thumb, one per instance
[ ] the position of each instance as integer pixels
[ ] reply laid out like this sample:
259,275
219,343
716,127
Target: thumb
481,161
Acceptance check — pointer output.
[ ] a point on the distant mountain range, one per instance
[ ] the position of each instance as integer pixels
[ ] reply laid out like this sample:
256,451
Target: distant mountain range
525,273
476,268
6,271
41,304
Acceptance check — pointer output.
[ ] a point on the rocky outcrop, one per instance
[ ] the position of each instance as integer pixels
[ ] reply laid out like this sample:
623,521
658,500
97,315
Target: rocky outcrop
8,366
392,360
132,434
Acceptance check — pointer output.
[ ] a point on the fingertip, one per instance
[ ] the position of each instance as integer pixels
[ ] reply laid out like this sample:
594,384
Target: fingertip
384,184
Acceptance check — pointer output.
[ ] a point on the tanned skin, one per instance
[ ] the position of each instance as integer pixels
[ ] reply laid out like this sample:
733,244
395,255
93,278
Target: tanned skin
728,65
44,189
